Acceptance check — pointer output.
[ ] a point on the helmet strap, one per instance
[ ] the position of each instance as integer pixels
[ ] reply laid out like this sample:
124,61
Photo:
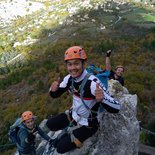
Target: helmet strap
83,64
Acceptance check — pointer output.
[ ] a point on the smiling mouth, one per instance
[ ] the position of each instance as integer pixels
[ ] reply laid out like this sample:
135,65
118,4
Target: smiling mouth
74,72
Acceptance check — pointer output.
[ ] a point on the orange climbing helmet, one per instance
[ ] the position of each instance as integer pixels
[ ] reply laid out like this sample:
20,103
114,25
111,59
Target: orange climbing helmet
119,66
75,52
27,115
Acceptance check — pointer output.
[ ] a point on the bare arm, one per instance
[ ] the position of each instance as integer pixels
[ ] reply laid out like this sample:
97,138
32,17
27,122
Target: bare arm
107,61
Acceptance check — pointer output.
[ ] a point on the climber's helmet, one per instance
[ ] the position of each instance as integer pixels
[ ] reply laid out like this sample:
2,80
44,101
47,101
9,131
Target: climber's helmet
27,115
119,66
75,52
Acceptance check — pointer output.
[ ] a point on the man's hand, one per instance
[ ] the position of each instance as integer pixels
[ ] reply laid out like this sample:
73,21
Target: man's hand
34,131
108,53
30,137
99,93
55,85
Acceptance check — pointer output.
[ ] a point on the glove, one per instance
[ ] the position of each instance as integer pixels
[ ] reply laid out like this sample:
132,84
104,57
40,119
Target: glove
30,137
108,53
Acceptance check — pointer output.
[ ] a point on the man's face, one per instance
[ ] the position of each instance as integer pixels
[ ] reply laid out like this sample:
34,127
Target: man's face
29,123
119,71
74,67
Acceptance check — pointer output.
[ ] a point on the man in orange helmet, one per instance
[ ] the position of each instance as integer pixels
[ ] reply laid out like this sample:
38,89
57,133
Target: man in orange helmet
119,70
84,111
27,133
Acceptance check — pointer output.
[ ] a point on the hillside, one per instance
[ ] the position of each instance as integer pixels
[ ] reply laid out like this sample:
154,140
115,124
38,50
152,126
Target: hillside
32,49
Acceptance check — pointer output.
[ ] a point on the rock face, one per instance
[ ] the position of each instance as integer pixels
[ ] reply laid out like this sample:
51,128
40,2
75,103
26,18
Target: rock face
118,133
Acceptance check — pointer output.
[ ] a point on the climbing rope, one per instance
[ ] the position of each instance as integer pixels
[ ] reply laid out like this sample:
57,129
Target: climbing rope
50,148
5,146
147,131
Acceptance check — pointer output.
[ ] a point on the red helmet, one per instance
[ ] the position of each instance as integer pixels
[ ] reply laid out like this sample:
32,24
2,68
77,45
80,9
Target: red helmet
119,66
27,115
75,52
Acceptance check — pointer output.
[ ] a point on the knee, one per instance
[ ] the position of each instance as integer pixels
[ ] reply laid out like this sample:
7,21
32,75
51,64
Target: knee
49,124
61,150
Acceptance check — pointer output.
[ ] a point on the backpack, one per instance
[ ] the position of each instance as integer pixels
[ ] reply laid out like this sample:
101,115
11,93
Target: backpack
13,131
102,75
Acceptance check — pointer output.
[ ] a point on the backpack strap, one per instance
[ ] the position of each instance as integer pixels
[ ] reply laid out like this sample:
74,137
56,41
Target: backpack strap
82,91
